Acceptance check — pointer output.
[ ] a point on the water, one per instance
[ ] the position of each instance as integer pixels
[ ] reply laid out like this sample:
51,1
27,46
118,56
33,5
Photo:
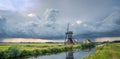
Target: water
76,54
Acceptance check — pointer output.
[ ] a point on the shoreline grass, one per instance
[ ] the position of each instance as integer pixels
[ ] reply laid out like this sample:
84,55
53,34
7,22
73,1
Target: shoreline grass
108,51
26,50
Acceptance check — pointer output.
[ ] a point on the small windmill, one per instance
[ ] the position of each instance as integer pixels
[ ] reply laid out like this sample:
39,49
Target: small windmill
68,38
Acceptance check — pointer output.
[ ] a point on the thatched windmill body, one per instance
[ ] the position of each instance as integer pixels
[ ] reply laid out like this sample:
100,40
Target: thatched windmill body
68,38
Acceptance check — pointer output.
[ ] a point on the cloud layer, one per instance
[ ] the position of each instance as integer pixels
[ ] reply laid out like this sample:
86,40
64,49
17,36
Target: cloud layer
48,19
49,26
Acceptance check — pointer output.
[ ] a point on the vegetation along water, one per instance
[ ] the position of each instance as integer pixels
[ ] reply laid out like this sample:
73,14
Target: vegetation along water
106,51
17,50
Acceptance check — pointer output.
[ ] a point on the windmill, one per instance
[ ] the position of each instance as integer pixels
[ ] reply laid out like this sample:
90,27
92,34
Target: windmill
68,38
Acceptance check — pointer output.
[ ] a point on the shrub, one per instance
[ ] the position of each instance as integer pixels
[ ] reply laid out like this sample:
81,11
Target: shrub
26,53
3,55
44,51
36,52
13,51
85,46
55,50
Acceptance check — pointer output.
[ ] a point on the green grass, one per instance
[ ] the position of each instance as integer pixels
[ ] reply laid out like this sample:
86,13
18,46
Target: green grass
16,50
108,51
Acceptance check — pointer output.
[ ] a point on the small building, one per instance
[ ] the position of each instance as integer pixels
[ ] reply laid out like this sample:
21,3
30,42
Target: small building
86,41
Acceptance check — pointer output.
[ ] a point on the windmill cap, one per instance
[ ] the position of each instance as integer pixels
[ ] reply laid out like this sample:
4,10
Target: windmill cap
69,32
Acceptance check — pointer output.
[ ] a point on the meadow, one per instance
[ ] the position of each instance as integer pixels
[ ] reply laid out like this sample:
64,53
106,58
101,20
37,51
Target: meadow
16,50
107,51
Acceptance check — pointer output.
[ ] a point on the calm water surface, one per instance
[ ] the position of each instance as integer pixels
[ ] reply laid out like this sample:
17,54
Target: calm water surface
75,54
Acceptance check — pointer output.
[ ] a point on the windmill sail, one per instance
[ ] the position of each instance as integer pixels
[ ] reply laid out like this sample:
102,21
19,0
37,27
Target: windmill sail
67,31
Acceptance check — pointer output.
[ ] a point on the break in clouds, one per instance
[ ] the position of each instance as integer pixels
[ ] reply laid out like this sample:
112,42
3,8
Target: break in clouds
14,24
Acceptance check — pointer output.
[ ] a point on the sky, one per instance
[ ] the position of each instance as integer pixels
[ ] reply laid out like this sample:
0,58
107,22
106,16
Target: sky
48,19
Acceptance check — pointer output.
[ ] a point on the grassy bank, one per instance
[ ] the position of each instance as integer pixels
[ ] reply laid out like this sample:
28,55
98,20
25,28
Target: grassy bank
107,51
10,50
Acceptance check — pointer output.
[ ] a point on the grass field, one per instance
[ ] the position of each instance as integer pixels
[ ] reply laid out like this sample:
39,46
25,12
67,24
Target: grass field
16,50
107,51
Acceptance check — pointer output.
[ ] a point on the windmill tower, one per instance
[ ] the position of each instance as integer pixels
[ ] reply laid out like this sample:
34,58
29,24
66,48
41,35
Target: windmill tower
68,38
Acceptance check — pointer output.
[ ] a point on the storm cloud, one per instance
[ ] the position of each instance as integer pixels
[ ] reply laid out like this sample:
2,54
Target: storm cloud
49,20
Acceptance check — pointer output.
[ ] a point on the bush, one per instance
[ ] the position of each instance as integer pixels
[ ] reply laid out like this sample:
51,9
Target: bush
44,51
55,50
14,52
2,54
36,52
85,46
26,53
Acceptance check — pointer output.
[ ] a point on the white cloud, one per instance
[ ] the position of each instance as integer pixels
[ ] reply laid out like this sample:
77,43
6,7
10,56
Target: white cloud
79,22
31,14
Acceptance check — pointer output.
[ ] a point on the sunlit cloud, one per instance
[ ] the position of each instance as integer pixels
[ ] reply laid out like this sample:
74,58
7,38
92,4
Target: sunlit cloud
29,40
107,39
78,21
31,15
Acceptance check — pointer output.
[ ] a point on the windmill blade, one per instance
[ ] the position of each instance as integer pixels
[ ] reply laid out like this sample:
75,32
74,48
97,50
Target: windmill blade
75,41
65,38
68,27
66,32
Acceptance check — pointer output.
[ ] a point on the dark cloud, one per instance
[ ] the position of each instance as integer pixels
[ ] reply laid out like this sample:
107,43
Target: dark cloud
87,19
50,27
108,27
2,26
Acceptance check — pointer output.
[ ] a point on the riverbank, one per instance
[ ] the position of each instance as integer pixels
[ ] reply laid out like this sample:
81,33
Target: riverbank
12,50
107,51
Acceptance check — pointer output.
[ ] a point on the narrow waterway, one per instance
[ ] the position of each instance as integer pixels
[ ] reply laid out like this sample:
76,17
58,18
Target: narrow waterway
75,54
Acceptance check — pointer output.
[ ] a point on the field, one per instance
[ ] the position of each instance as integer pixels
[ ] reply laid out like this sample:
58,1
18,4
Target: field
16,50
107,51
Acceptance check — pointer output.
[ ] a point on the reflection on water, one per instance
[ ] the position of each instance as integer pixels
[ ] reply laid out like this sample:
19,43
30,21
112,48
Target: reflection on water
87,50
69,55
75,54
